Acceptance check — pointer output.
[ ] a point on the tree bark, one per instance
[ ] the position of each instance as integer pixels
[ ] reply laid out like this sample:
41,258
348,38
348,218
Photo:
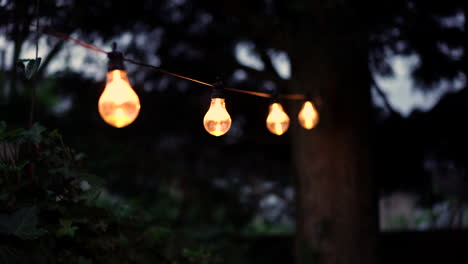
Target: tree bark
336,205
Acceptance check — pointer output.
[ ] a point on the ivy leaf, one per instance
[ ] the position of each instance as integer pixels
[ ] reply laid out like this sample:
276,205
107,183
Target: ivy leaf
66,228
22,223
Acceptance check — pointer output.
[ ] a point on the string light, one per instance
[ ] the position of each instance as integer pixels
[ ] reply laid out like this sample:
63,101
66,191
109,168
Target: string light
277,121
308,116
217,120
118,105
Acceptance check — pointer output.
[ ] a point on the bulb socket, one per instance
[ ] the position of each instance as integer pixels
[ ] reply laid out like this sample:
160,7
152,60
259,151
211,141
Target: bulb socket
274,96
115,59
218,90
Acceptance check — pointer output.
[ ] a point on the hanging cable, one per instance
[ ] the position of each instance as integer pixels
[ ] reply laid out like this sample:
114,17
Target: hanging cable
68,38
119,105
167,72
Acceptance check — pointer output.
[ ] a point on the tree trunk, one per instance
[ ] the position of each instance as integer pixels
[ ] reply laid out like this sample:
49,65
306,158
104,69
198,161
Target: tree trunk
336,206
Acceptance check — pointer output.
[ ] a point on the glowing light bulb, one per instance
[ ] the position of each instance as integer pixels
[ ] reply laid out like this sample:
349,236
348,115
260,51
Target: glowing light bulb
277,121
217,120
308,116
118,105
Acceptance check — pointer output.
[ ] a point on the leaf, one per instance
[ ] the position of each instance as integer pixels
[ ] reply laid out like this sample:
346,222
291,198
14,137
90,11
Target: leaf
31,67
7,135
91,187
21,165
55,134
80,156
155,233
66,228
8,254
193,253
22,223
34,134
92,179
83,260
123,239
4,196
101,225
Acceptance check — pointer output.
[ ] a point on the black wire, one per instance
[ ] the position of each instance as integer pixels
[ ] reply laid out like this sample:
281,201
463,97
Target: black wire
167,72
68,38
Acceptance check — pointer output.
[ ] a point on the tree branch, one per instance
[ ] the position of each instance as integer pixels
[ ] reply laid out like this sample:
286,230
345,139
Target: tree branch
384,98
53,52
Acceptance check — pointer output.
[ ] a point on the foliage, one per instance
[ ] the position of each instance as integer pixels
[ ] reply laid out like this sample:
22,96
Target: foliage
30,66
52,211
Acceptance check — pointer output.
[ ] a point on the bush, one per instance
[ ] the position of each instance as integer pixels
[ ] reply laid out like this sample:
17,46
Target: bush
53,211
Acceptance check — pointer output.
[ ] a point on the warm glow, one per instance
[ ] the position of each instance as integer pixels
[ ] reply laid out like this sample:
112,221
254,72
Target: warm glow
119,104
217,120
308,116
277,121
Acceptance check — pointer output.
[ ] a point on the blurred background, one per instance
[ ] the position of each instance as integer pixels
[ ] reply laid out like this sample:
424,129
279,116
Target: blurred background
240,188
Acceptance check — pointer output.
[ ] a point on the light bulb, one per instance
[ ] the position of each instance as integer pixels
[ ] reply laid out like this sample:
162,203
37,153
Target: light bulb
308,116
118,105
277,121
217,120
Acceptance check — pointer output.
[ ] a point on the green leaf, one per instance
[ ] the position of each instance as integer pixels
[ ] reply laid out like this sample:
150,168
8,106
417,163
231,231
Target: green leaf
123,239
197,255
101,225
83,260
7,135
8,254
4,196
92,179
66,228
80,156
34,134
22,223
55,134
155,233
22,165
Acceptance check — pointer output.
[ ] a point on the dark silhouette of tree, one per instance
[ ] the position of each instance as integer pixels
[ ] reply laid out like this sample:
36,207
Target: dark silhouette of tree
425,144
328,44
